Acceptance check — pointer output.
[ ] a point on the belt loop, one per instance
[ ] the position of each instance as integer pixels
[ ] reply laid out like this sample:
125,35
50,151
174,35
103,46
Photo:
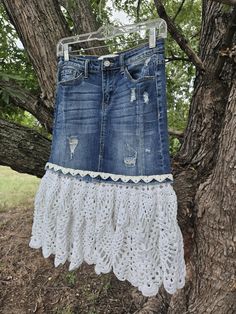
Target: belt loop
122,64
86,68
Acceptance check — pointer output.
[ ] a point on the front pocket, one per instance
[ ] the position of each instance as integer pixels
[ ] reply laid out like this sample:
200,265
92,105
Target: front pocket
134,78
68,75
140,70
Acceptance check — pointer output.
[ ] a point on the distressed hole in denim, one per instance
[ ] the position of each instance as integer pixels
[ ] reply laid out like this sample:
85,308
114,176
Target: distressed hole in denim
130,159
147,150
73,142
146,97
133,94
147,61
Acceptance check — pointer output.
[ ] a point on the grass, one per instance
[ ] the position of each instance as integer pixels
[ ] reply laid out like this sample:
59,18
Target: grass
16,188
64,310
71,278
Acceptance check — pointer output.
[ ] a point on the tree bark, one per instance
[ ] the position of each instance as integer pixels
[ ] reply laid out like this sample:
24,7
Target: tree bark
214,252
84,22
211,92
40,25
27,101
205,165
23,149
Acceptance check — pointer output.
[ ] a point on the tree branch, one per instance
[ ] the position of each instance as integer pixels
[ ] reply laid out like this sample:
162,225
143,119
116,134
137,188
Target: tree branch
229,2
25,100
175,58
179,10
178,36
138,9
178,134
23,149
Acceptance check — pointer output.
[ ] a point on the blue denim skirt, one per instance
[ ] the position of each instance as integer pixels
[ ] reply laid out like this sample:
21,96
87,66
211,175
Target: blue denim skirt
107,195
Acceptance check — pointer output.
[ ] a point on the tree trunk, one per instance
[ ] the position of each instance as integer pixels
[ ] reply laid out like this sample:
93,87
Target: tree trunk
208,150
84,22
204,169
39,24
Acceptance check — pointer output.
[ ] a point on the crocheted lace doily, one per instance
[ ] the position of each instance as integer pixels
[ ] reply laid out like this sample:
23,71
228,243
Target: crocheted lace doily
129,229
106,175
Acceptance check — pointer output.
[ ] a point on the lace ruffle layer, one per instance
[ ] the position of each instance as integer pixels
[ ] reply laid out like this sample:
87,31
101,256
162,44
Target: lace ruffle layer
131,230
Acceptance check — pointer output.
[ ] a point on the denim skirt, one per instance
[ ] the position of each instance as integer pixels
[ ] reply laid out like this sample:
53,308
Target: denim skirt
107,194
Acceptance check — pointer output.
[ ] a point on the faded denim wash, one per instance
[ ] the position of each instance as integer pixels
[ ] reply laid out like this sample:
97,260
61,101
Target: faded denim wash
111,113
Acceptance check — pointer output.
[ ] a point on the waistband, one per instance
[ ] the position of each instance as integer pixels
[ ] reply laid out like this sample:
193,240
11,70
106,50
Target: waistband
126,57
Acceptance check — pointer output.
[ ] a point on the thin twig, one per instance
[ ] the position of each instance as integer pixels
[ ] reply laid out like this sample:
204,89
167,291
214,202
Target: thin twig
174,58
179,37
179,10
175,133
138,9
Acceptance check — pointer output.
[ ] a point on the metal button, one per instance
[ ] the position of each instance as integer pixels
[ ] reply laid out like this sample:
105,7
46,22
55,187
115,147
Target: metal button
107,63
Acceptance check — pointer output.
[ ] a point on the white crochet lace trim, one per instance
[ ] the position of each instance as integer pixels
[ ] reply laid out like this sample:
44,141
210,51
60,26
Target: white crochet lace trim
129,229
106,175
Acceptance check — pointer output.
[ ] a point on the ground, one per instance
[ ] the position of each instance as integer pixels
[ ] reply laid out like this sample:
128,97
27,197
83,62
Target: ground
29,283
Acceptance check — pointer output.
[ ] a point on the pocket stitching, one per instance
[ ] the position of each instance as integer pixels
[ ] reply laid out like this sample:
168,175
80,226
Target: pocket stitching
61,82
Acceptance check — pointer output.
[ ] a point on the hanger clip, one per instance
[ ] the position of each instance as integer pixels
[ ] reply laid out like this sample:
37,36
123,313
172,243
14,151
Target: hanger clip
66,52
152,37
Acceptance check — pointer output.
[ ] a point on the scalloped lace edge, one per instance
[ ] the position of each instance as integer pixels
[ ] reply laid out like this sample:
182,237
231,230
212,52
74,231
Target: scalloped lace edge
106,175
